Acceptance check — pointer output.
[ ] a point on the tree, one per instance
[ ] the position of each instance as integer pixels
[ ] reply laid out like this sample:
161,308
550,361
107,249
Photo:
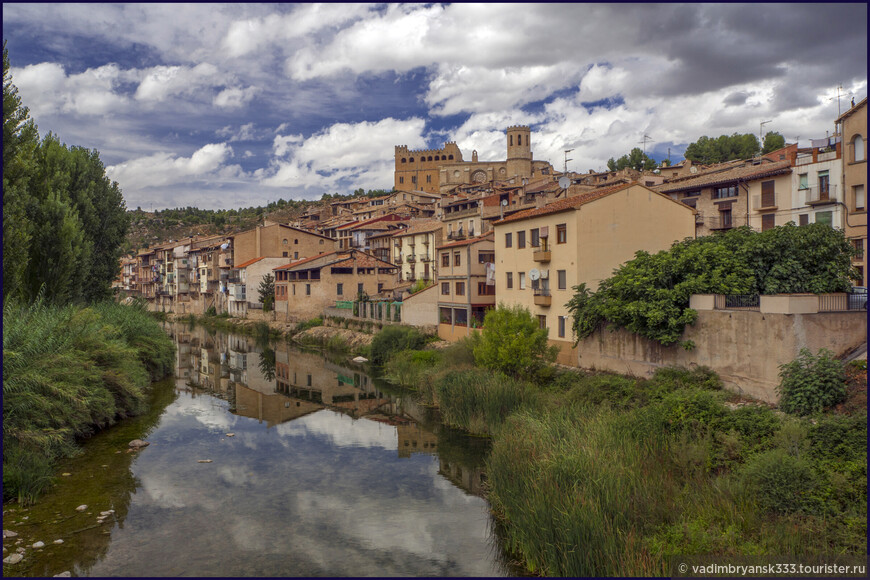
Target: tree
636,159
512,342
723,148
649,295
267,291
772,142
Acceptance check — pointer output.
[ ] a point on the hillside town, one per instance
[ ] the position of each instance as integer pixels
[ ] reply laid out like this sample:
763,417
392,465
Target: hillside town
456,237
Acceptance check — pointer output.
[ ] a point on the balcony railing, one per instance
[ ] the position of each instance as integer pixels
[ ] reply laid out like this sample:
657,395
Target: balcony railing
411,259
818,196
460,235
543,296
737,302
449,215
425,258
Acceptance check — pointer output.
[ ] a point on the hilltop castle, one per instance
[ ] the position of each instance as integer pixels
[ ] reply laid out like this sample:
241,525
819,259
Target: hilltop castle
439,170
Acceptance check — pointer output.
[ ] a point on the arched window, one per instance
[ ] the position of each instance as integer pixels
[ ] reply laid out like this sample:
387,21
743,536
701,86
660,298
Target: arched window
411,160
858,148
430,158
450,157
404,160
519,139
296,240
437,158
511,140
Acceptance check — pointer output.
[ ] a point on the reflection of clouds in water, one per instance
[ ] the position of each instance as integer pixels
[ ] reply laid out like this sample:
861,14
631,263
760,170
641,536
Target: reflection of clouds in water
162,491
248,439
237,475
341,430
366,521
208,411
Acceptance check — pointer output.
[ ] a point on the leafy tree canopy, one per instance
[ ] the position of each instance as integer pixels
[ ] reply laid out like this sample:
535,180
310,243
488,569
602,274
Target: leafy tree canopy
772,142
267,291
723,148
649,295
636,159
512,342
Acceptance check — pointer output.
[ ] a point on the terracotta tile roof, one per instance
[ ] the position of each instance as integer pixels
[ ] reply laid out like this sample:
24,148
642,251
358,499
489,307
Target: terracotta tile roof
487,237
364,260
564,204
421,227
249,262
341,257
721,176
303,261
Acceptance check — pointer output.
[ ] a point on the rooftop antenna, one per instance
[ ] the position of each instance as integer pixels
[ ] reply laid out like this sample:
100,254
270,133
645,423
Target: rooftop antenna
567,151
645,139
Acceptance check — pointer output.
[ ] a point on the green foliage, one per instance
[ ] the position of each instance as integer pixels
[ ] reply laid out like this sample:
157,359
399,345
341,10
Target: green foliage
67,372
649,295
772,142
636,159
393,339
781,482
723,148
811,383
267,292
478,400
302,326
513,343
419,285
211,311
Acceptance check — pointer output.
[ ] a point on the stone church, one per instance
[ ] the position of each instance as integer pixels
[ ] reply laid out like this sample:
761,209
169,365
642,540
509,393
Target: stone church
440,170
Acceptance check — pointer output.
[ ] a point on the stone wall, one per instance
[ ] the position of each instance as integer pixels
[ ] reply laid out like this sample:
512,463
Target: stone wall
744,347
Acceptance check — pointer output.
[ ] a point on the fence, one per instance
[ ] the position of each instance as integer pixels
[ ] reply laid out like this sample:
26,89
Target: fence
842,302
737,301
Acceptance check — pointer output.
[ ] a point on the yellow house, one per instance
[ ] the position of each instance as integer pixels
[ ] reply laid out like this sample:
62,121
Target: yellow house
541,254
414,250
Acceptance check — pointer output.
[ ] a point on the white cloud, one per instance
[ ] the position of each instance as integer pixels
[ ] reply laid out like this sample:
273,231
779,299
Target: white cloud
342,431
161,82
233,98
165,168
46,89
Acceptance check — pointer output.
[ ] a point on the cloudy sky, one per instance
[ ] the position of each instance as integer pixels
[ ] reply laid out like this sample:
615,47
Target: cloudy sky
233,105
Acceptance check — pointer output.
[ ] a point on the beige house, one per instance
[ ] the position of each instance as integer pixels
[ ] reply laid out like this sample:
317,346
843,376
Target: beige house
304,288
244,284
853,128
414,250
541,254
278,241
465,292
722,195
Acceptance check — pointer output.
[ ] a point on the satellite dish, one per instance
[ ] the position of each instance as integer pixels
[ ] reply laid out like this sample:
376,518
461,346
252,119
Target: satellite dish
534,274
564,182
504,202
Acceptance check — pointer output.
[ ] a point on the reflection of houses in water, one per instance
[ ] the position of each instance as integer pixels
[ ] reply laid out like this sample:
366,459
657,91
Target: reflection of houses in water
469,479
415,439
184,365
274,408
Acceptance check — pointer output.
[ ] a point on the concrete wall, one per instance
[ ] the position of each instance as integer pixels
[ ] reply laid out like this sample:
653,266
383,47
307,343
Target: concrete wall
745,348
453,333
421,309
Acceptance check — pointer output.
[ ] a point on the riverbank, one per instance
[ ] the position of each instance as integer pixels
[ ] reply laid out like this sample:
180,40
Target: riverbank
67,373
606,475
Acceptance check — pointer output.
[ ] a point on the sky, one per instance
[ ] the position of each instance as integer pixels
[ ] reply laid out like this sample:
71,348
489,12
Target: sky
236,105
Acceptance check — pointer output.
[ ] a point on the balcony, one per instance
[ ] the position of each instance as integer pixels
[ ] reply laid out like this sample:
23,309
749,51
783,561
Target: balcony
472,211
764,202
460,235
542,253
411,259
719,223
820,196
425,258
543,297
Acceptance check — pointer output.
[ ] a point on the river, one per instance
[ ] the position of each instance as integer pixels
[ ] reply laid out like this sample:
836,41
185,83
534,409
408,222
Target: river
266,461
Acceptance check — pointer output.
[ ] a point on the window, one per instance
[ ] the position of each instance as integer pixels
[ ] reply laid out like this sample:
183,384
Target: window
445,259
521,239
825,217
859,247
768,193
522,280
296,241
542,321
308,289
858,192
294,289
460,288
510,280
428,179
511,140
563,279
804,181
561,233
858,148
309,380
445,288
508,241
536,237
484,290
484,257
768,221
803,219
359,287
694,193
561,327
285,254
401,179
519,139
285,241
456,259
380,286
723,192
725,218
295,255
413,179
339,289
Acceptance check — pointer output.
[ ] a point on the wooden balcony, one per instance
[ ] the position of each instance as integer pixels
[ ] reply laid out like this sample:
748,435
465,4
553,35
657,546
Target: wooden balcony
541,255
543,298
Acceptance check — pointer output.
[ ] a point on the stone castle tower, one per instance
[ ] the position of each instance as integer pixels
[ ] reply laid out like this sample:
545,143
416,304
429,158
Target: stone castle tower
519,151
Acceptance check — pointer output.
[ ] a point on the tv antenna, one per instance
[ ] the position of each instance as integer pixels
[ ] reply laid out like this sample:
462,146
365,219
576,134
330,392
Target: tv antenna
839,88
567,151
761,132
645,139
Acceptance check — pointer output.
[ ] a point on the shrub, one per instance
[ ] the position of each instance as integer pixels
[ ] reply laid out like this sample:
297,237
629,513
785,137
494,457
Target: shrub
692,410
811,383
478,400
673,378
393,339
513,343
211,311
302,326
781,482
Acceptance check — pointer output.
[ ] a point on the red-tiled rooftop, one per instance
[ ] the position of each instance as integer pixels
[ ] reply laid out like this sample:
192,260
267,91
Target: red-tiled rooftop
713,178
249,262
487,237
564,204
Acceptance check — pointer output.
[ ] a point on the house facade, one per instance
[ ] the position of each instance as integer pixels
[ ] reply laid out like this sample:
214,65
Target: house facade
414,250
465,284
853,128
542,253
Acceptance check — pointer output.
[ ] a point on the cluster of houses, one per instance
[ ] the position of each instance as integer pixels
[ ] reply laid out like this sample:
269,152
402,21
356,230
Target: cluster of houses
514,232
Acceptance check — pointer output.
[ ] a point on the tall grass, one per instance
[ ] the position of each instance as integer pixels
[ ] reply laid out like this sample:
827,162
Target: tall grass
68,371
479,400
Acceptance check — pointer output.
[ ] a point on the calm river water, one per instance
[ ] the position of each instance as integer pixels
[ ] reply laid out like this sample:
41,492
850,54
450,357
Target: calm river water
266,461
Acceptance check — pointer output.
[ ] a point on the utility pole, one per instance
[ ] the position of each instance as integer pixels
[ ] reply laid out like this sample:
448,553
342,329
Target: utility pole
567,151
645,139
761,133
